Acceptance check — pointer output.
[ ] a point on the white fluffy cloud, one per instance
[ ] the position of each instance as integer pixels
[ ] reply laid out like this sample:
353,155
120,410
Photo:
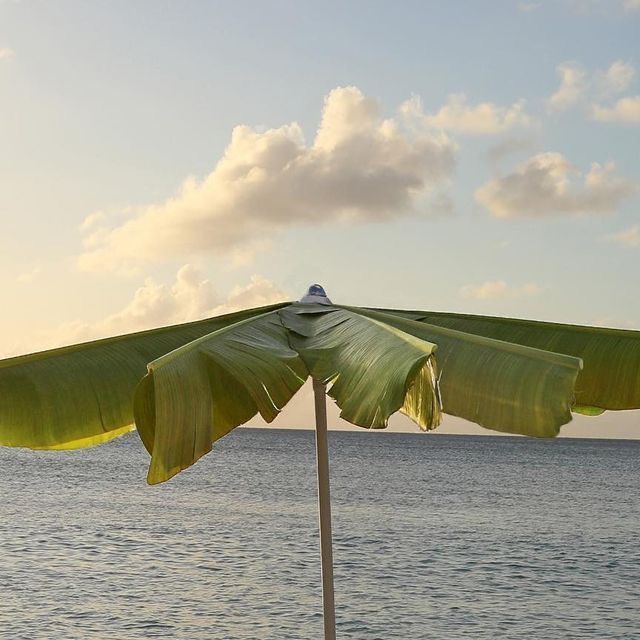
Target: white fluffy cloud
190,297
548,184
493,289
617,78
625,110
360,167
458,116
573,86
590,90
628,238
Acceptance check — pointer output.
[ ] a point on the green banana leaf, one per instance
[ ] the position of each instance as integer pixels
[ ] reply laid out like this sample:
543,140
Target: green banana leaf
498,385
198,393
82,395
610,379
374,369
188,385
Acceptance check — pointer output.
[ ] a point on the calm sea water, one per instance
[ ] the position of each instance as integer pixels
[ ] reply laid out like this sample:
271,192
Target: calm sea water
434,537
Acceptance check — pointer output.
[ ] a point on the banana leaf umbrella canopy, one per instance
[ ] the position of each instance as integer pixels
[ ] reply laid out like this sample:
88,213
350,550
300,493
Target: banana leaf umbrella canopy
183,387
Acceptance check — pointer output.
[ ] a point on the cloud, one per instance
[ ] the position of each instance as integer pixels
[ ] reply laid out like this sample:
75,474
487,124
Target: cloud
617,78
578,87
626,110
6,53
548,184
456,115
190,297
360,168
631,5
493,289
92,221
257,293
573,86
628,238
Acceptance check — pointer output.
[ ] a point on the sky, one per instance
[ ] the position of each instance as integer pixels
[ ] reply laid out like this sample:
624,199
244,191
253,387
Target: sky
163,161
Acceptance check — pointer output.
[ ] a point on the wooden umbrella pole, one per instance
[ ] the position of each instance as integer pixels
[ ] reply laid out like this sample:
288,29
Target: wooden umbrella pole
324,508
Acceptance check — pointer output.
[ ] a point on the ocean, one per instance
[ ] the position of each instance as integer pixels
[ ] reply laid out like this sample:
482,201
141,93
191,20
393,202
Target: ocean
435,536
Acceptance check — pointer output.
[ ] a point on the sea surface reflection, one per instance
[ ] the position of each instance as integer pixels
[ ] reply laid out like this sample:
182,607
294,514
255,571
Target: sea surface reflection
434,537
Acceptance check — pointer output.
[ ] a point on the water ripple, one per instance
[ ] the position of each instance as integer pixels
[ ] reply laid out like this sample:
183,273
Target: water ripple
434,537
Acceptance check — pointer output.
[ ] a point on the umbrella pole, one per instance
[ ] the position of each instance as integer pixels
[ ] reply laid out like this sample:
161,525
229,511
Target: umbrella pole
324,509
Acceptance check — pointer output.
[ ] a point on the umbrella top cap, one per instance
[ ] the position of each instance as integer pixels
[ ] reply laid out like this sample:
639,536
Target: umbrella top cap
315,295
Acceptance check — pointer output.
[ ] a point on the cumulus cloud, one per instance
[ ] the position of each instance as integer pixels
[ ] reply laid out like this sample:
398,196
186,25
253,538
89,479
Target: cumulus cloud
92,221
458,116
628,238
617,78
190,297
626,110
493,289
156,304
360,167
591,89
548,184
573,86
257,293
6,53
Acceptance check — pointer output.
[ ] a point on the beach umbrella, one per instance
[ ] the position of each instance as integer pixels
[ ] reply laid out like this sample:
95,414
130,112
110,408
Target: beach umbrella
184,387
